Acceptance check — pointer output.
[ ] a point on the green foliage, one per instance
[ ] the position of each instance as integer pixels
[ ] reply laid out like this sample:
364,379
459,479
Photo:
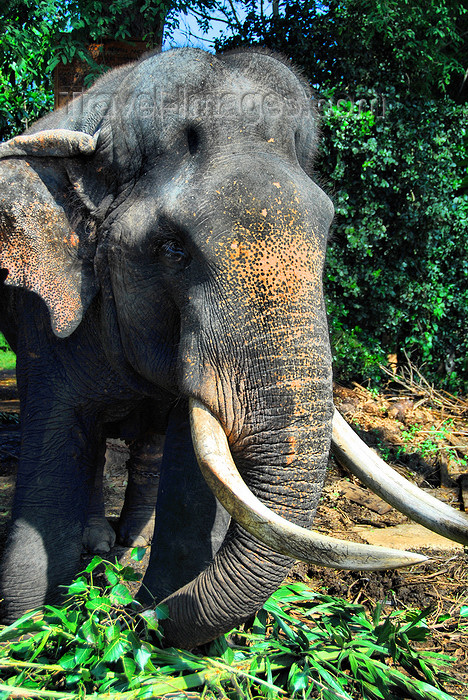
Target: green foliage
7,357
26,35
462,161
433,442
7,360
397,266
36,35
95,20
418,48
429,444
337,649
100,637
301,643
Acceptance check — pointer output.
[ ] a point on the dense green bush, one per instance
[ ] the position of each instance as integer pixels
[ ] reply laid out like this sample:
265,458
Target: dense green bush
397,274
26,91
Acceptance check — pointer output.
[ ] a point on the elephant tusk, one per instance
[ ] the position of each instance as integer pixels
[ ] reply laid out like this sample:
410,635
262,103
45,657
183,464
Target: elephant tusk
57,143
218,468
409,499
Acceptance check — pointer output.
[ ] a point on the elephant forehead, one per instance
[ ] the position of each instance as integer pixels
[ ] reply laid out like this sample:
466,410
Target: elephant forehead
188,78
226,100
268,200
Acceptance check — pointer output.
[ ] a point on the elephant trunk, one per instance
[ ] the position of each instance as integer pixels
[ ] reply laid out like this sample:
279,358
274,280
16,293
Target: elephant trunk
281,451
254,350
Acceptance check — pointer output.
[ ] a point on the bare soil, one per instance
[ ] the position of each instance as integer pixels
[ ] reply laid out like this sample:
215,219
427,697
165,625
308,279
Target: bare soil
423,438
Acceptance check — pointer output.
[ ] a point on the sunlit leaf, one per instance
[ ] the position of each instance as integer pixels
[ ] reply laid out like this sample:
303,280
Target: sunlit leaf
142,656
115,649
82,654
151,618
298,679
138,553
120,595
99,603
93,564
78,586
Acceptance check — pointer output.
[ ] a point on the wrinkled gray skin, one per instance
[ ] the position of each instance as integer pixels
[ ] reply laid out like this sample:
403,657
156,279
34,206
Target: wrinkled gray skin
191,266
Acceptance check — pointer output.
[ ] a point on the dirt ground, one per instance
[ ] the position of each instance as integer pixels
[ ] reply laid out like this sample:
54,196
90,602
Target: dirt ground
424,435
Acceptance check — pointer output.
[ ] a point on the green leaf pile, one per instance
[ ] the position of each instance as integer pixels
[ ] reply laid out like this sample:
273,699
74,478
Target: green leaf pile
103,644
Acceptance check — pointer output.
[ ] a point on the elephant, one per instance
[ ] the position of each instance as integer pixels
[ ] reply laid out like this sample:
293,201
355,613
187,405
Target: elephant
162,245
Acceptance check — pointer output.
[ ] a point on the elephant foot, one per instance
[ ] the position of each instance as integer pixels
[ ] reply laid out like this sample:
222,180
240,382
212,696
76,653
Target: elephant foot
98,536
40,557
136,527
136,522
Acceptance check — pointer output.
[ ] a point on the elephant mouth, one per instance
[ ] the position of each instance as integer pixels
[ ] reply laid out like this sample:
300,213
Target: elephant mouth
220,472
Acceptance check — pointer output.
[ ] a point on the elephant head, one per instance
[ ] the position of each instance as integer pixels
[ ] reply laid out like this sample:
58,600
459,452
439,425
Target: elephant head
169,220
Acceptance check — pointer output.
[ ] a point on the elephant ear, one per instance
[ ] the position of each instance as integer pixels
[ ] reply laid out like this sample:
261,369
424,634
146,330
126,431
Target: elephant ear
41,249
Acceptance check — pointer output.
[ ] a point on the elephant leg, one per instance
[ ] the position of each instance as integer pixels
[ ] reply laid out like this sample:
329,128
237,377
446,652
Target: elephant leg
55,477
136,522
190,523
99,535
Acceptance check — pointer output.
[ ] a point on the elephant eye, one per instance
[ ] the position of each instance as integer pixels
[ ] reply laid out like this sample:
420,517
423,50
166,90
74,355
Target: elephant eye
173,253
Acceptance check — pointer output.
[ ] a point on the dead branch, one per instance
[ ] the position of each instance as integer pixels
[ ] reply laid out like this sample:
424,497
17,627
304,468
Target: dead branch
414,384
